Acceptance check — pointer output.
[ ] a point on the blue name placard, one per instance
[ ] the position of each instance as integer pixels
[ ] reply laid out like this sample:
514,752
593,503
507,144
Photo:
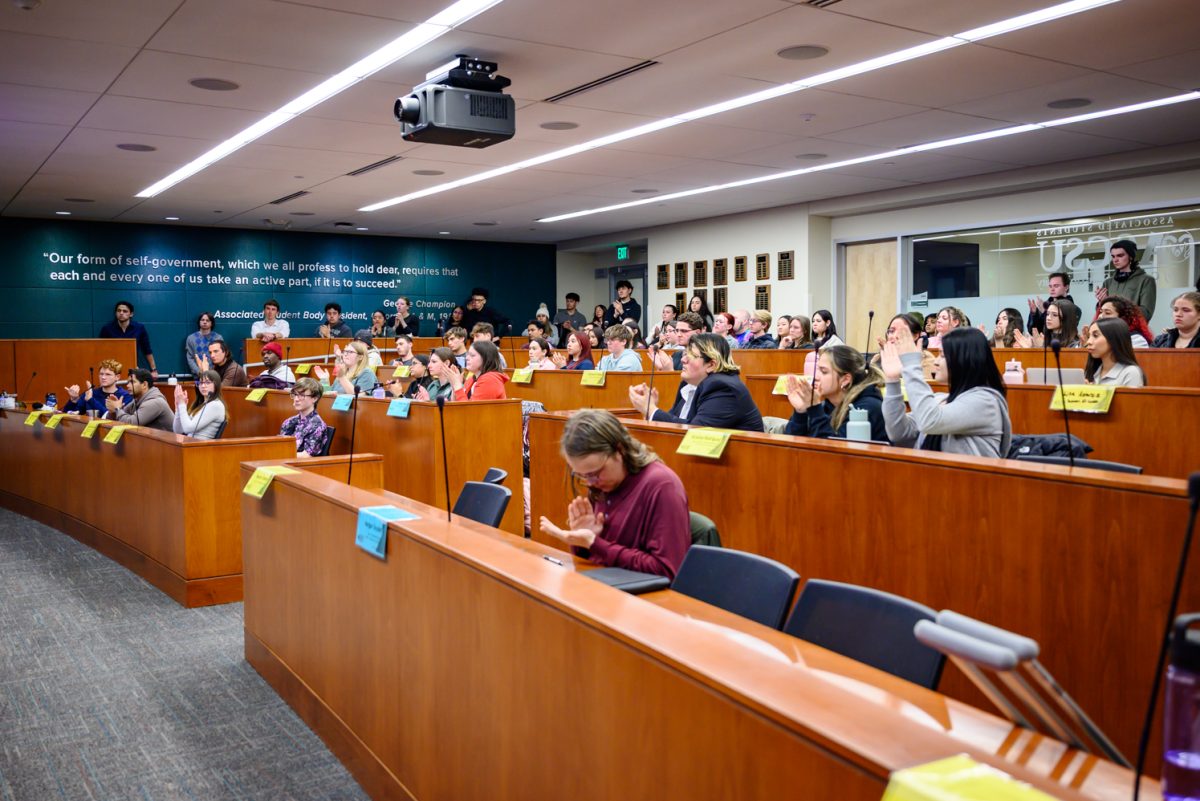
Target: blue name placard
399,407
342,403
371,534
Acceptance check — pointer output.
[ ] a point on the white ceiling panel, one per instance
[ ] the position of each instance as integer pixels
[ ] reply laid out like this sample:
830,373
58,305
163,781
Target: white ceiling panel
814,112
626,165
927,126
1180,71
925,167
784,155
61,63
1043,147
27,144
702,140
408,11
592,123
34,104
1161,126
119,22
664,89
356,137
165,118
941,17
1029,105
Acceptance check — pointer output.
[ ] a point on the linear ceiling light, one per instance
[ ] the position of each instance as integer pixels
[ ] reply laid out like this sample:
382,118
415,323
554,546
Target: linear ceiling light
439,24
904,151
870,65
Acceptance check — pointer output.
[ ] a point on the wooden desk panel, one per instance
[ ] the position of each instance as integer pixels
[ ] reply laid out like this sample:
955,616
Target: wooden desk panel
312,349
560,390
164,506
479,435
60,363
1151,427
8,367
433,673
1055,555
1163,367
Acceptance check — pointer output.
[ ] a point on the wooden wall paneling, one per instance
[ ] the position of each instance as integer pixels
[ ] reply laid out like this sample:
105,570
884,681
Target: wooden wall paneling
8,367
871,283
62,362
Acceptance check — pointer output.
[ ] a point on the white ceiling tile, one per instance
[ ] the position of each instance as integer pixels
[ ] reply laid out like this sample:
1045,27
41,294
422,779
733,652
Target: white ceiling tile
1029,105
354,137
37,104
119,22
927,126
1043,147
1179,71
165,118
941,17
1161,126
27,144
61,63
701,140
814,112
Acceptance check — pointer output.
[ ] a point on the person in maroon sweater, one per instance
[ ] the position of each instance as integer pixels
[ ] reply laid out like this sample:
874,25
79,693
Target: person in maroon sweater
636,515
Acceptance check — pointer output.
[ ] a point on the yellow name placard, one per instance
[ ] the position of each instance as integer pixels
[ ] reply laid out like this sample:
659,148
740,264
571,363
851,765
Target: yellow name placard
1083,398
707,442
401,371
256,395
115,433
54,421
261,480
523,376
592,378
89,430
958,777
780,386
32,418
303,369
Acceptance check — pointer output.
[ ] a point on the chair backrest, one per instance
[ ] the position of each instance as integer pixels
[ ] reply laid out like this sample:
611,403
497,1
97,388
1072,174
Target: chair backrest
704,530
1095,464
746,584
221,428
482,502
495,475
867,625
327,441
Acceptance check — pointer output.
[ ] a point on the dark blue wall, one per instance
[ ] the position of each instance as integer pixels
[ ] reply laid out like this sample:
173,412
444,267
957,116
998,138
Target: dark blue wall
51,292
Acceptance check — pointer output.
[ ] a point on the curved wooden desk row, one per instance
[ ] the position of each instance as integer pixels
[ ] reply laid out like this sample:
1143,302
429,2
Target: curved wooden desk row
1151,427
479,435
162,505
58,363
1081,560
1164,367
466,667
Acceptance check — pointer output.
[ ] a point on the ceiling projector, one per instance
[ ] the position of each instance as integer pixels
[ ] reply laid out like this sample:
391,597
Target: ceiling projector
461,103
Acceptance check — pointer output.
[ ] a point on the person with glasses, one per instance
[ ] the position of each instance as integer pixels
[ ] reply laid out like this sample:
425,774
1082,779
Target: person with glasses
635,513
710,394
203,418
687,325
479,312
306,425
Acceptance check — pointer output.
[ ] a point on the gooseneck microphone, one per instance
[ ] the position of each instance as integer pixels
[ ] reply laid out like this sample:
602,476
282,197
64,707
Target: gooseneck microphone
91,389
287,361
28,384
441,404
1056,346
870,323
1144,742
353,426
653,353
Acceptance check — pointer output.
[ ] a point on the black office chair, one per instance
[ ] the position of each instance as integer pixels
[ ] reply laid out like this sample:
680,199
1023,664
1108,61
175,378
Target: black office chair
482,502
327,441
495,475
746,584
221,429
704,530
870,626
1095,464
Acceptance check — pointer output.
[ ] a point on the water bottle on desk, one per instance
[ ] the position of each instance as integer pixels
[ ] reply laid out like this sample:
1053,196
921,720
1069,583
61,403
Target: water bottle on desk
51,403
859,427
1014,372
1181,715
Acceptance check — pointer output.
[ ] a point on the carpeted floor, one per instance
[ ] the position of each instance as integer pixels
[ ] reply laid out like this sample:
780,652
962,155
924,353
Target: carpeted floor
110,690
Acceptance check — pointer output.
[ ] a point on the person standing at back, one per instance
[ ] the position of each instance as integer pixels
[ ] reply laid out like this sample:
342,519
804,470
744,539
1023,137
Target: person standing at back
1059,285
570,319
123,326
623,307
1129,280
479,312
270,327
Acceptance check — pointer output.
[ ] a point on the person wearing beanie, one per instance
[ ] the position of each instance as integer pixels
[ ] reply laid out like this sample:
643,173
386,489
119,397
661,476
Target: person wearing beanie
272,357
1129,280
543,317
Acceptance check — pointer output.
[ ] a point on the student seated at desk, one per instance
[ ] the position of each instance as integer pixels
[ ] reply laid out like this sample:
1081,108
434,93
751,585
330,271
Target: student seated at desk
440,360
578,355
711,393
1185,313
910,325
306,425
93,399
486,380
844,381
1110,355
147,408
541,356
635,515
350,370
204,416
972,419
619,358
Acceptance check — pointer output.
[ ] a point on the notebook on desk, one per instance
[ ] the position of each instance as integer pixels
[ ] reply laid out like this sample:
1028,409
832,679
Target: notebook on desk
1049,375
630,581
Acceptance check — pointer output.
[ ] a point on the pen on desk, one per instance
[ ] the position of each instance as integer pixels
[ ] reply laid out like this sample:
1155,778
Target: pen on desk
549,558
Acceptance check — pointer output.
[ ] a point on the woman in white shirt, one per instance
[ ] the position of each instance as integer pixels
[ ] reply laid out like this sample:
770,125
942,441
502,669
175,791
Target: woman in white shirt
204,417
540,355
1110,355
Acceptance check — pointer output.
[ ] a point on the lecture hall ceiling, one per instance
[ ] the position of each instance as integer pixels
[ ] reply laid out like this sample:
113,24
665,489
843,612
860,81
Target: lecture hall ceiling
80,77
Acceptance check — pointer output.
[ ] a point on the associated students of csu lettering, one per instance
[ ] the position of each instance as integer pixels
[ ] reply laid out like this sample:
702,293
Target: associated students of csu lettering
635,514
710,394
94,399
271,327
203,418
973,419
123,326
844,381
147,408
306,425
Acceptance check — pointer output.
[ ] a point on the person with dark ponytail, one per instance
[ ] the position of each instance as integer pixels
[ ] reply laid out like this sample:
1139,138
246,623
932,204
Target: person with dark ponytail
1110,355
973,419
824,330
907,325
1115,306
844,382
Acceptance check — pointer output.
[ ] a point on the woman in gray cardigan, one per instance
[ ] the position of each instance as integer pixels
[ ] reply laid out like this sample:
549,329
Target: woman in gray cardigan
203,419
972,419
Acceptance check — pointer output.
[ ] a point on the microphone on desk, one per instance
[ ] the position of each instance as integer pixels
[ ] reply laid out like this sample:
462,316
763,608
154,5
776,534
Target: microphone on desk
870,322
28,384
92,382
653,352
353,426
1144,742
1057,346
441,404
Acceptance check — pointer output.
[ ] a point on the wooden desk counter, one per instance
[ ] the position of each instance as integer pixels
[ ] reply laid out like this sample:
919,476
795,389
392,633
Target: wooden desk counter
1164,367
162,505
464,667
560,390
59,363
479,435
1153,427
1081,561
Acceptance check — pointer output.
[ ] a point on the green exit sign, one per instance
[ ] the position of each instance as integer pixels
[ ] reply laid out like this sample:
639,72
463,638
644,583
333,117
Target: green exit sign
622,252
